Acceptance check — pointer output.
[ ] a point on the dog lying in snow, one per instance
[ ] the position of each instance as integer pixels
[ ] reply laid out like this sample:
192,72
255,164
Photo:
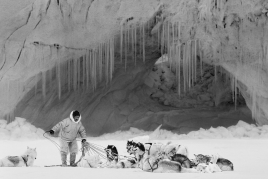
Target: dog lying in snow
222,163
157,163
87,160
114,161
25,160
169,149
183,160
211,167
150,148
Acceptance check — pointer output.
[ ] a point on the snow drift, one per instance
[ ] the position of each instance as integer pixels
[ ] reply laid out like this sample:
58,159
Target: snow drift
21,129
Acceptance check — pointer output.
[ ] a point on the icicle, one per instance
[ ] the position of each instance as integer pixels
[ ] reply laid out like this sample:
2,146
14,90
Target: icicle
135,44
69,74
125,51
189,63
75,74
111,58
132,43
107,62
90,66
195,61
100,68
174,47
143,43
235,91
59,77
87,69
84,69
192,60
140,39
215,71
128,37
158,37
78,72
44,84
179,71
36,84
121,43
168,46
95,70
184,68
201,59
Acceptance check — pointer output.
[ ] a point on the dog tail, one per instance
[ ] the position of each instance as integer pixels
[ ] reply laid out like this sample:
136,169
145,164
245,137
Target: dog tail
189,170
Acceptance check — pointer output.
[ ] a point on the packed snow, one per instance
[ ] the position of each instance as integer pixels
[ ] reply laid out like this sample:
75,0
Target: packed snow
243,144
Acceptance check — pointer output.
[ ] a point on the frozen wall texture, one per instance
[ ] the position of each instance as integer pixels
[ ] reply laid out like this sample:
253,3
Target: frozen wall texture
96,56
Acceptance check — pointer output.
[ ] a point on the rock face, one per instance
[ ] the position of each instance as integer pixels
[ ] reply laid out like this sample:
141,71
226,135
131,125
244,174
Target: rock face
97,56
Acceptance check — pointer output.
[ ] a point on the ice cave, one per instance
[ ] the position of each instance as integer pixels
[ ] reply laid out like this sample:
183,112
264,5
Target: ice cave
185,64
155,81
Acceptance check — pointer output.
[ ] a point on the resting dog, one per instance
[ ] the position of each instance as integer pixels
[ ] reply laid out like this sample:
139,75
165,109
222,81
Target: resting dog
224,164
171,149
25,160
86,160
183,160
150,148
114,161
155,163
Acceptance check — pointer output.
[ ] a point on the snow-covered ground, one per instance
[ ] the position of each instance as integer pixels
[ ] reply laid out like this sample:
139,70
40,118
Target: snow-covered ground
245,145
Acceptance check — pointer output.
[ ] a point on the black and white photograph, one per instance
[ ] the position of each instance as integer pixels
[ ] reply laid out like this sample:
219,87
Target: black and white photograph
133,89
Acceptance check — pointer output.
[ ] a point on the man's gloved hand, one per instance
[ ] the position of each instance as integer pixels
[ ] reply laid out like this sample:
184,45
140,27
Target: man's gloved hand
83,140
51,132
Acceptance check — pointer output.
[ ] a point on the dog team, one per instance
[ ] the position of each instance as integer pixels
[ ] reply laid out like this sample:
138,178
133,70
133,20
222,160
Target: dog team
150,157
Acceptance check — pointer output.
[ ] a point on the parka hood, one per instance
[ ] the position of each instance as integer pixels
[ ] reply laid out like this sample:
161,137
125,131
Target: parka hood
72,118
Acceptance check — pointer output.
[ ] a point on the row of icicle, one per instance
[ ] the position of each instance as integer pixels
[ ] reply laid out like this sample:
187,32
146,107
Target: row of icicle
97,64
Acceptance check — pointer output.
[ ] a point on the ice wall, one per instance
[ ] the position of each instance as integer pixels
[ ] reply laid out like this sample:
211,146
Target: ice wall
51,34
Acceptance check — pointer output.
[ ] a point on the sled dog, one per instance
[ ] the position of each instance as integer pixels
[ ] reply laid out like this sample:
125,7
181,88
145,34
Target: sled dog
87,160
25,160
183,160
211,167
224,164
157,163
114,161
171,149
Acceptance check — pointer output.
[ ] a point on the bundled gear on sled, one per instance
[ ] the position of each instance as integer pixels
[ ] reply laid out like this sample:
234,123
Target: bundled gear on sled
68,130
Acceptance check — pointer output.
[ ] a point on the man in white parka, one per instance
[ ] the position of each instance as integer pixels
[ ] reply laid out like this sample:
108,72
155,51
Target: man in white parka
69,128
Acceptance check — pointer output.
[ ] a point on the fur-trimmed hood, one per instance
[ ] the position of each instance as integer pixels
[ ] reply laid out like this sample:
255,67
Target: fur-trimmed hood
71,117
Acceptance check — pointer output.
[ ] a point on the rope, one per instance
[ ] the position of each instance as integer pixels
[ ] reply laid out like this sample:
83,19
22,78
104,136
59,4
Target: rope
90,149
55,143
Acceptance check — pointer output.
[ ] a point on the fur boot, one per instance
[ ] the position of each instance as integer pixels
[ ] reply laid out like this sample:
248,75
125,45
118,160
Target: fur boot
63,159
72,159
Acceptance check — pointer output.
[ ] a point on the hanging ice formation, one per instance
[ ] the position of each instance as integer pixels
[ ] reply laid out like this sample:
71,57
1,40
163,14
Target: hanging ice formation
182,56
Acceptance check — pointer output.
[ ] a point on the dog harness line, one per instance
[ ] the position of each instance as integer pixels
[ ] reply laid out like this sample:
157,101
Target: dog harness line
151,165
25,160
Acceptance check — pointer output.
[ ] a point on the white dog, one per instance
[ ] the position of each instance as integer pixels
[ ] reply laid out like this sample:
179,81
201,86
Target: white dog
171,149
211,167
25,160
89,161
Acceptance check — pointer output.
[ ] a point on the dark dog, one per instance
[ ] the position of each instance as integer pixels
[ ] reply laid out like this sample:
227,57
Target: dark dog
114,161
111,153
183,160
224,164
130,146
